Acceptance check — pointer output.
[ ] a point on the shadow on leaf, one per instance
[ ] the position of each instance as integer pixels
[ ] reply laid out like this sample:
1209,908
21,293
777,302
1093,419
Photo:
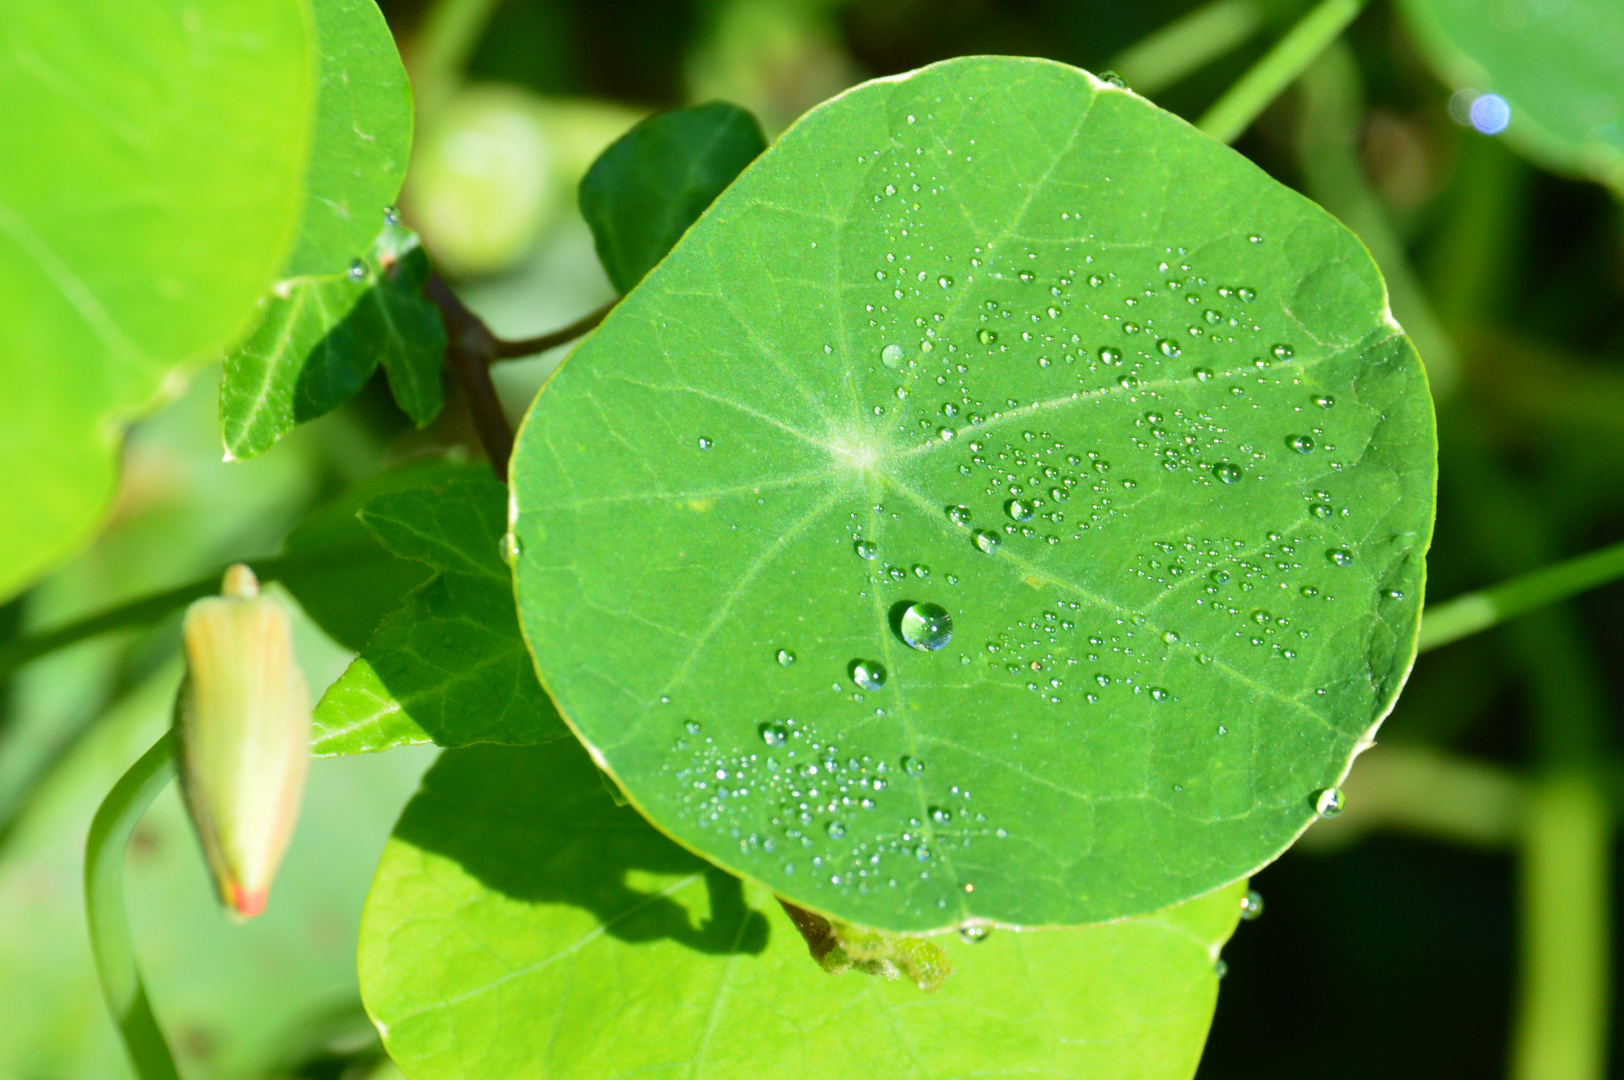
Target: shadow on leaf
536,824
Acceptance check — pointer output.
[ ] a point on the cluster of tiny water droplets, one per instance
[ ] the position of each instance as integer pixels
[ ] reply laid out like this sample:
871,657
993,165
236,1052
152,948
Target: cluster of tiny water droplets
814,808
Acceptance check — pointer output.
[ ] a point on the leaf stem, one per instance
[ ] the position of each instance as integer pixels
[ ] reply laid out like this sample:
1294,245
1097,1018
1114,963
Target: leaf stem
470,347
512,350
1185,45
1233,113
440,49
109,923
1475,611
1560,1031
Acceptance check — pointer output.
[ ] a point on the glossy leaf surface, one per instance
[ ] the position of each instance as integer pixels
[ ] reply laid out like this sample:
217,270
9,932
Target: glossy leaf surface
155,154
523,925
320,338
1559,66
653,182
1010,366
361,140
448,666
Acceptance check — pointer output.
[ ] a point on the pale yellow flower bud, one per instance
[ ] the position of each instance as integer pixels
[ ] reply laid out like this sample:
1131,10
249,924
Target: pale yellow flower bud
243,732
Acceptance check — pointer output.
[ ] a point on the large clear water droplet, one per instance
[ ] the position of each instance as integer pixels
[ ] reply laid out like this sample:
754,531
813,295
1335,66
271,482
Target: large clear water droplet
774,734
1303,444
869,674
987,541
891,356
510,548
785,657
1340,556
866,549
913,766
1329,802
836,829
959,514
986,337
1251,905
974,935
926,627
1228,472
1018,510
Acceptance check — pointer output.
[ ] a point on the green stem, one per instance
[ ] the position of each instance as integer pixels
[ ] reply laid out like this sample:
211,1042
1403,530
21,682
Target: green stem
440,50
1465,615
146,610
1185,45
1233,113
109,924
1561,1024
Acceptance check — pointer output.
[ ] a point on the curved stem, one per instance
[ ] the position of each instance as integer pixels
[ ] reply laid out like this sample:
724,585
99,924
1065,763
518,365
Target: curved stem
1465,615
1233,113
109,924
512,350
1185,45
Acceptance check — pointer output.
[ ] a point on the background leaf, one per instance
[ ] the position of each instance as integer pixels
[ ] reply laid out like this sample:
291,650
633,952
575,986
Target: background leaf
165,144
320,338
653,182
996,304
362,138
1556,64
514,887
449,665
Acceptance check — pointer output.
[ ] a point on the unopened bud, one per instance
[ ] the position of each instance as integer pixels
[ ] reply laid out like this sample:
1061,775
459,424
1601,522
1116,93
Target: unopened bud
243,730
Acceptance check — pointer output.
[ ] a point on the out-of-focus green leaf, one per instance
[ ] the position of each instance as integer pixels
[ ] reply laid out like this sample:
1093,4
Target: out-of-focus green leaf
449,665
1559,65
154,152
515,888
344,579
1000,343
362,137
320,338
653,182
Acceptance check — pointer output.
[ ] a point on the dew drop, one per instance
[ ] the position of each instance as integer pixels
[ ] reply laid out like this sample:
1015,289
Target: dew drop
940,815
1109,355
1168,347
974,935
986,336
1227,471
835,829
891,356
869,674
785,657
1340,556
958,514
1329,802
866,549
358,270
1246,294
1320,510
1324,401
1283,352
913,766
926,627
1159,693
1303,444
391,216
510,548
1220,968
920,570
705,442
1018,510
773,734
1251,905
986,540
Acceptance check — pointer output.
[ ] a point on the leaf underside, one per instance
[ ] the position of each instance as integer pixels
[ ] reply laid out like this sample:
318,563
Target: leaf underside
521,924
999,302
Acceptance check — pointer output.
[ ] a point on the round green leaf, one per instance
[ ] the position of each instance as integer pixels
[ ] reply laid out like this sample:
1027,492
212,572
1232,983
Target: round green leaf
999,338
154,155
521,924
1560,66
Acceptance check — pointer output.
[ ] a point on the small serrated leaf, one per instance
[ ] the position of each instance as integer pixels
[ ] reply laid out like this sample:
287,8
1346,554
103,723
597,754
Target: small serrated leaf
449,665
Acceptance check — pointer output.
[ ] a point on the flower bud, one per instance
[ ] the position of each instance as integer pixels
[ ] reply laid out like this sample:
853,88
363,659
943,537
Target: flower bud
242,722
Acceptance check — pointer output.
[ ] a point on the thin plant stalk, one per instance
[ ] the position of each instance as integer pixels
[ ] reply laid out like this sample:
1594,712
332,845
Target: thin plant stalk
1476,611
1188,44
1242,103
109,923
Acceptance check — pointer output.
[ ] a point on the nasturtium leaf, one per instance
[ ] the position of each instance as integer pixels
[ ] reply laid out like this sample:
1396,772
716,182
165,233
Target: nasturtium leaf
343,578
320,338
1558,66
361,140
1006,364
448,666
653,182
154,155
521,924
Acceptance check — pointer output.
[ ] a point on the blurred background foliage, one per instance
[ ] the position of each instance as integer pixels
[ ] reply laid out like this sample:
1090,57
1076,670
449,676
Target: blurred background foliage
1385,951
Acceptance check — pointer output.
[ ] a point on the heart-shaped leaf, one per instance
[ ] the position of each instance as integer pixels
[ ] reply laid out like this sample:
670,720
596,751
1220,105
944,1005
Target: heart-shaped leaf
1006,503
521,924
1554,70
